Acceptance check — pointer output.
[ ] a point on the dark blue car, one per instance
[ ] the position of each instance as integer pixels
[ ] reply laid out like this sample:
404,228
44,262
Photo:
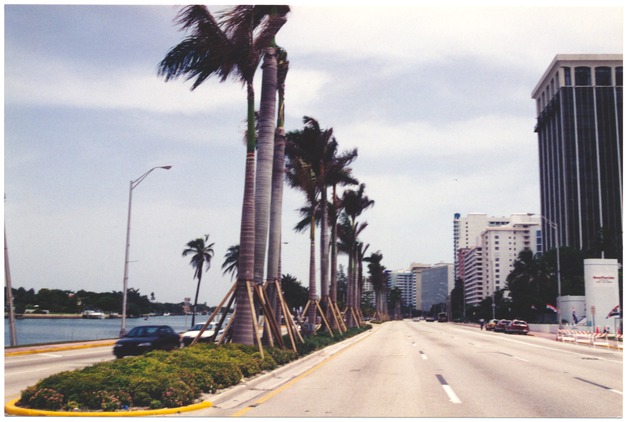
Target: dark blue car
145,338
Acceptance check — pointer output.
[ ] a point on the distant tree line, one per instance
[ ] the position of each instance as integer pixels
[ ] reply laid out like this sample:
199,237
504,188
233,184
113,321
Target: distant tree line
57,301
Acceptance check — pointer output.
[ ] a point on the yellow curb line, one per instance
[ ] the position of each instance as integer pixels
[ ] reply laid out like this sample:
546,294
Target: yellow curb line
57,349
11,409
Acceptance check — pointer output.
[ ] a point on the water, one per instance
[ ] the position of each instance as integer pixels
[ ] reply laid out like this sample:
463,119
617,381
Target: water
49,330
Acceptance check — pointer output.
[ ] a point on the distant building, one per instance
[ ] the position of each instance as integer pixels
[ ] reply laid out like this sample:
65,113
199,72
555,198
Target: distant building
416,269
422,285
501,246
466,231
405,281
579,107
436,284
484,266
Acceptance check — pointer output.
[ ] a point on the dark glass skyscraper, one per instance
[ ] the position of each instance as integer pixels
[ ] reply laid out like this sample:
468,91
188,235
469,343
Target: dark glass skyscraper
579,104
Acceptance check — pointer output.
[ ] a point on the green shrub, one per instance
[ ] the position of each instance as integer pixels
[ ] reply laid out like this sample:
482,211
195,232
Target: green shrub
163,379
42,398
178,394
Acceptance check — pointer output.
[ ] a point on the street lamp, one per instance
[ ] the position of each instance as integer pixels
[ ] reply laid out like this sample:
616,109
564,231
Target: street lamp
554,226
132,185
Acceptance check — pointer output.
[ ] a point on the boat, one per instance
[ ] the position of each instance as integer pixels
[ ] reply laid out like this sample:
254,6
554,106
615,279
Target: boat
93,315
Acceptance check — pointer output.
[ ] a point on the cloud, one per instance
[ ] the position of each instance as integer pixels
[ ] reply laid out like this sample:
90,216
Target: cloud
487,135
407,35
63,85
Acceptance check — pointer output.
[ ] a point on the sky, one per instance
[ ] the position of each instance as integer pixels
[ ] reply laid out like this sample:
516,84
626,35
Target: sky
437,99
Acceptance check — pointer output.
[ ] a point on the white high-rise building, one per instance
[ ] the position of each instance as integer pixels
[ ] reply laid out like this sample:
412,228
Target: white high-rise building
485,266
466,231
405,280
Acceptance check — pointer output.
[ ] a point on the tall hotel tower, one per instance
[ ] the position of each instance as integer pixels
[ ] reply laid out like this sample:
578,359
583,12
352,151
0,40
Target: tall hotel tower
579,106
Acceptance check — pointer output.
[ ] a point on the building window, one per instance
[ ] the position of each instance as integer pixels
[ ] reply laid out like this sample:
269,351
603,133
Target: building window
603,76
567,76
583,76
619,76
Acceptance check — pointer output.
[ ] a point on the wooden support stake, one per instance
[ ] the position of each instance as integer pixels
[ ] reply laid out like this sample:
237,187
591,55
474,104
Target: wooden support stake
324,320
254,318
216,311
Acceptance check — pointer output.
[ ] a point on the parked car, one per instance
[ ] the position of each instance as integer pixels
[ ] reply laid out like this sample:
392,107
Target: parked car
442,317
145,338
491,324
517,326
191,334
501,325
429,319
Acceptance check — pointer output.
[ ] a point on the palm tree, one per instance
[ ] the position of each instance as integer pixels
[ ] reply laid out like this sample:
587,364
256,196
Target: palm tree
230,265
230,47
378,281
319,149
395,301
201,254
339,174
354,202
265,154
277,186
300,175
349,244
529,284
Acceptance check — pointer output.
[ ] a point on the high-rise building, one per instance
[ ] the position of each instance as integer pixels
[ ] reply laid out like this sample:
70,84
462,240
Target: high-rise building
406,282
579,107
501,247
437,283
487,262
466,231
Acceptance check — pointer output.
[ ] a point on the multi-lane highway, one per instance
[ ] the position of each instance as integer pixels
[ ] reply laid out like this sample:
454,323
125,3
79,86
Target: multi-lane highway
406,369
420,369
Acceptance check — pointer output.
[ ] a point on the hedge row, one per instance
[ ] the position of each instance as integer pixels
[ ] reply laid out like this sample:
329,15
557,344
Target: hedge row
162,379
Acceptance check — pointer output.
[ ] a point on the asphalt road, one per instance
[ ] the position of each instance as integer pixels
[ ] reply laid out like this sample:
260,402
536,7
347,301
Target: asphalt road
420,369
23,370
404,369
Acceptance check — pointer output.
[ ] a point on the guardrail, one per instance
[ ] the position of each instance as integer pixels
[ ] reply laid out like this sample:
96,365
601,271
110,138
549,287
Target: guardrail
608,340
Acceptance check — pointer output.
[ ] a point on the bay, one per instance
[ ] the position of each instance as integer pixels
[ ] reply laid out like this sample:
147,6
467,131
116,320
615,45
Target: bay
59,330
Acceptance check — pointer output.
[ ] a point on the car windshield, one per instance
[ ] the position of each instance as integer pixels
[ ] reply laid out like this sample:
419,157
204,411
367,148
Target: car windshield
143,332
198,327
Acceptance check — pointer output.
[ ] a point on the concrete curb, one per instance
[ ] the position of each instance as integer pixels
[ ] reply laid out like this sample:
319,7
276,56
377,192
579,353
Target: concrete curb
11,409
55,348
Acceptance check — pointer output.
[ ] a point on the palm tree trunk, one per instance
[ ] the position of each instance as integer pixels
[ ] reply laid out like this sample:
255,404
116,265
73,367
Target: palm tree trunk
324,247
264,160
333,251
243,324
312,284
196,299
349,289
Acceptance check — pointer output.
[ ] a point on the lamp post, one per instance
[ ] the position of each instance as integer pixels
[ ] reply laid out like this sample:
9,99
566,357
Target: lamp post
554,226
132,185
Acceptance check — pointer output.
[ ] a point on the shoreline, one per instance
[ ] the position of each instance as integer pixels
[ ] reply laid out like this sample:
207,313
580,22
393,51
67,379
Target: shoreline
80,316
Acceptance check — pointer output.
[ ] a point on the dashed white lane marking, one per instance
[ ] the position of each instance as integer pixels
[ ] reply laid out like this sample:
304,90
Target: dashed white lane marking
448,390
